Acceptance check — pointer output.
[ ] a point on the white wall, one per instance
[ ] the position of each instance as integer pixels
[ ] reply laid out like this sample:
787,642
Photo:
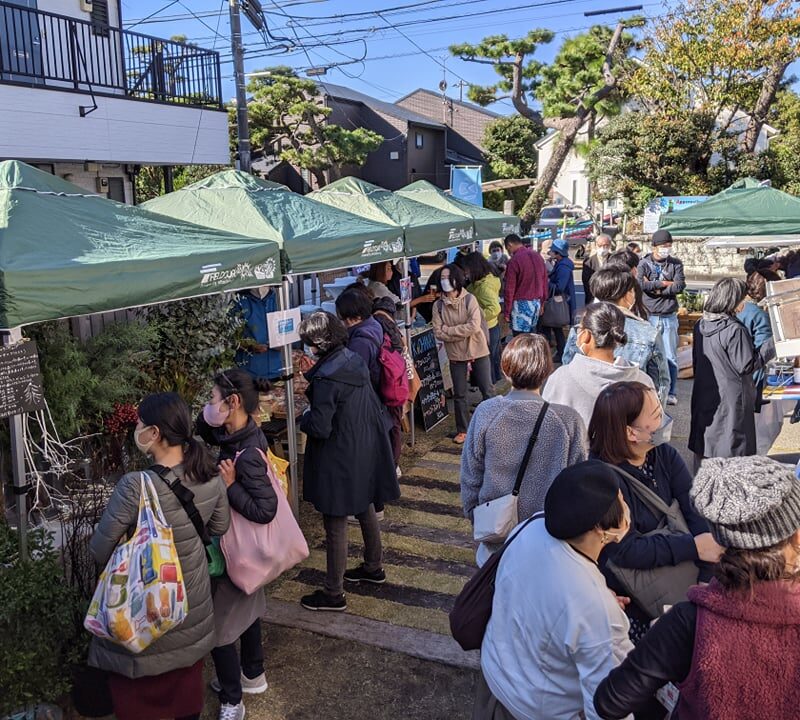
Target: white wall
72,8
37,124
572,174
87,179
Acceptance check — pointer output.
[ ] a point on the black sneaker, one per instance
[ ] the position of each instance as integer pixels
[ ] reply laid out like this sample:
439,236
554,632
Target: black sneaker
320,600
358,574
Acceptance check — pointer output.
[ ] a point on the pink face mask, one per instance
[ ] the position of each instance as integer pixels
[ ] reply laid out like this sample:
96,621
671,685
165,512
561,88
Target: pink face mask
214,415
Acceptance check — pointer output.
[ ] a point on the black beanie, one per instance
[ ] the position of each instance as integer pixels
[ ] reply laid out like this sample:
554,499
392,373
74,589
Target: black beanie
579,498
661,237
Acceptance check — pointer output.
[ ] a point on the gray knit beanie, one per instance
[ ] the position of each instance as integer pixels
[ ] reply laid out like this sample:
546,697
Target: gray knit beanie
750,502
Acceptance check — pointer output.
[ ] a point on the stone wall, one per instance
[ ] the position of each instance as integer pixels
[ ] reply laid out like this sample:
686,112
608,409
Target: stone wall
700,261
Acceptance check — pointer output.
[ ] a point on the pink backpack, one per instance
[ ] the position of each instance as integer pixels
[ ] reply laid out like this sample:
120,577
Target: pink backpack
394,375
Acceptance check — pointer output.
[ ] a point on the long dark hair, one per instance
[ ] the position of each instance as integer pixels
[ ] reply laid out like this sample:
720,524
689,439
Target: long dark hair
476,267
240,382
171,415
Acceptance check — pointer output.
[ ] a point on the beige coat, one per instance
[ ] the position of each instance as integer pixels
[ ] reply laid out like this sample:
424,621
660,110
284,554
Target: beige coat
458,322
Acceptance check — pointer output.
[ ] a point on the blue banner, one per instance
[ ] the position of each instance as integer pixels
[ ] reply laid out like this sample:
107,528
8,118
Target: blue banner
465,184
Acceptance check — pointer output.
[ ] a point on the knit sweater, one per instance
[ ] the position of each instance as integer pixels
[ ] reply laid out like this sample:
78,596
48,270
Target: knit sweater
496,442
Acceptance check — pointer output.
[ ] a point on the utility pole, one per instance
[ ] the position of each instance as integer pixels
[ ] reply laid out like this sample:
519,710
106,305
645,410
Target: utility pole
242,129
461,84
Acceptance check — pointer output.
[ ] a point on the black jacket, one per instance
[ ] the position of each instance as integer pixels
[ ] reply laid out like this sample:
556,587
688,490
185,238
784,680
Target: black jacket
590,266
724,396
641,552
663,655
349,462
252,495
658,298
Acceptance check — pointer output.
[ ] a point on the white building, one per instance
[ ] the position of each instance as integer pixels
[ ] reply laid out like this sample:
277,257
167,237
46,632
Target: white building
88,101
572,184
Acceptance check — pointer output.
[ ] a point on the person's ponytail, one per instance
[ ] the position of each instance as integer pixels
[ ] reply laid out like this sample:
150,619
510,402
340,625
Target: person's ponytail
197,461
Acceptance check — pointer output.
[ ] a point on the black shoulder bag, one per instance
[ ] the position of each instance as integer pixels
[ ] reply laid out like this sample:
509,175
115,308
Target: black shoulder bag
216,560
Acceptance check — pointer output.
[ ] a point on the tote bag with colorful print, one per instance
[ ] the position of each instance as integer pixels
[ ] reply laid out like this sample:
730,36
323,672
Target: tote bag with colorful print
141,594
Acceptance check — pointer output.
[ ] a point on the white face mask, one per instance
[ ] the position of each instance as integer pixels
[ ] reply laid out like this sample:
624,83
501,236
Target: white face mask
144,447
447,286
664,252
497,254
603,251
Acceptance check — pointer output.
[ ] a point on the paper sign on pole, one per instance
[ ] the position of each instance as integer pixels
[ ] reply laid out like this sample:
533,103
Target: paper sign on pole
283,326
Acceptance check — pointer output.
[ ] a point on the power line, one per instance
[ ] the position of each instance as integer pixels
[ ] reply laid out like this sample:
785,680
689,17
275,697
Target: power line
203,22
153,14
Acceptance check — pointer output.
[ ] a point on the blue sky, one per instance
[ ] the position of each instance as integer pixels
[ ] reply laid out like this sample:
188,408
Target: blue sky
402,49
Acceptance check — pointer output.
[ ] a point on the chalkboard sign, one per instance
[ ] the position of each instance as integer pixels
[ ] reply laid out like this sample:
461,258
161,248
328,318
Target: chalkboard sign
431,397
20,380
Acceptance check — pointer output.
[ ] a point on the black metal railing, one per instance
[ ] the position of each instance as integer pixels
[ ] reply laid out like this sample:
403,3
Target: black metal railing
45,49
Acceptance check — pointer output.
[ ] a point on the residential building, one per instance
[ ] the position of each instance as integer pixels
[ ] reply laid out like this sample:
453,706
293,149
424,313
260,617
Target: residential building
572,184
466,123
89,101
414,146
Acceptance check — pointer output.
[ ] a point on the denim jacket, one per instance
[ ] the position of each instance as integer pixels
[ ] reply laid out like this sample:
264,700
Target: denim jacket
645,348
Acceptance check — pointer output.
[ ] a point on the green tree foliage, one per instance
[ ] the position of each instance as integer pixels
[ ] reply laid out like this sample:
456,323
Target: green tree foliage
510,152
639,156
150,178
578,86
785,148
82,382
39,639
718,55
288,120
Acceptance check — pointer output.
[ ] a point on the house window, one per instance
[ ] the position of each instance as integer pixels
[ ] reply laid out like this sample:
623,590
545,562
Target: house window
100,19
419,140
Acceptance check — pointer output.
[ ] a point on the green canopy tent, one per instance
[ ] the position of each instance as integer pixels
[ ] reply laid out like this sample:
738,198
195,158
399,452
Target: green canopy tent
487,224
427,229
312,236
65,252
745,214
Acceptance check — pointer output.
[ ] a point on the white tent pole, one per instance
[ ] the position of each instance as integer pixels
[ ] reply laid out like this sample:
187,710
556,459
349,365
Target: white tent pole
407,323
291,430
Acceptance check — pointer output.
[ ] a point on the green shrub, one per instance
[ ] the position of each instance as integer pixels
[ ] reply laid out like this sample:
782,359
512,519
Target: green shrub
38,633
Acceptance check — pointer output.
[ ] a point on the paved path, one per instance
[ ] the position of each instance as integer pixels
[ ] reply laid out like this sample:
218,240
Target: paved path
428,556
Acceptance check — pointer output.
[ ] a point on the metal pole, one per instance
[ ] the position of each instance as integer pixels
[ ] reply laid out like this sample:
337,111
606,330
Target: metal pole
242,129
407,317
18,468
291,429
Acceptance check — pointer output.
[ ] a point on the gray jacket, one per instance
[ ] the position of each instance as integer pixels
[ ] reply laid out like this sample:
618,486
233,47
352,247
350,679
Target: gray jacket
578,384
190,641
496,440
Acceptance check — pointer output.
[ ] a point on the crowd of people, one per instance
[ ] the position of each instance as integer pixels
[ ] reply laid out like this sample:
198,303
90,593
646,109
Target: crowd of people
633,572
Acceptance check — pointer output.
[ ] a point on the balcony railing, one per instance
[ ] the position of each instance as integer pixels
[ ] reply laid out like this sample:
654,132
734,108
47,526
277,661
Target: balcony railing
44,49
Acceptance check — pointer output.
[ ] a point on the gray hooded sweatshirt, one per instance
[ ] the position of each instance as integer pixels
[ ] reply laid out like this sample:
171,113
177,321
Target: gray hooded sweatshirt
578,384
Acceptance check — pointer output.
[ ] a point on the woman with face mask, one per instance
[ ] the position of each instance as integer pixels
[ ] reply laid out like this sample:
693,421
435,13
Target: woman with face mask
629,429
645,347
555,630
458,321
733,647
227,422
596,365
166,679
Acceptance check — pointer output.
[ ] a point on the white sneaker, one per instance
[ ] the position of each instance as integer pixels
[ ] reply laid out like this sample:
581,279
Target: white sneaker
250,686
398,472
231,712
379,515
672,400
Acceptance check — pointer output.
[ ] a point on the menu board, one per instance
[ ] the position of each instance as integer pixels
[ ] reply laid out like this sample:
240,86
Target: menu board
20,380
431,397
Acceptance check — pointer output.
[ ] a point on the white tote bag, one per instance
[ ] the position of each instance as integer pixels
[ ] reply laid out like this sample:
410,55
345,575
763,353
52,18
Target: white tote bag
494,520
